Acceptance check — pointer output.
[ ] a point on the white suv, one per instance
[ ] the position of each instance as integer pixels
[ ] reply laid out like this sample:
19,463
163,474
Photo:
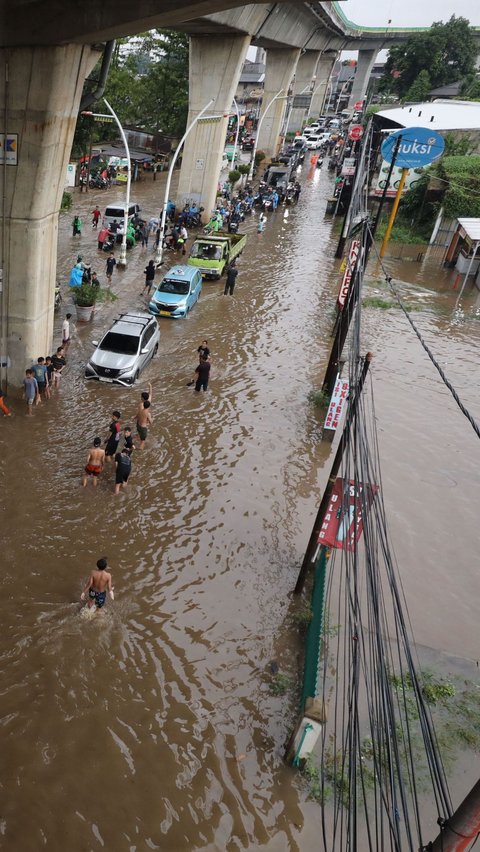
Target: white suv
125,349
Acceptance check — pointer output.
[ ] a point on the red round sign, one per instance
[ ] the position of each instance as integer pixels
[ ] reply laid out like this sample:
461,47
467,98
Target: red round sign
356,131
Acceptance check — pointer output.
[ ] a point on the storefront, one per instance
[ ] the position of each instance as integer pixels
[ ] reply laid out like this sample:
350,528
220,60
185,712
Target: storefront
463,253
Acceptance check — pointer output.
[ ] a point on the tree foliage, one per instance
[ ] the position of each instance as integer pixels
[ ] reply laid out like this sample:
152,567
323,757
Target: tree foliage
147,87
420,88
446,51
462,180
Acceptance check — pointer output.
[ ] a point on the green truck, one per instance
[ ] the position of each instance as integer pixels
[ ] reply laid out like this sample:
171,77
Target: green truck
211,254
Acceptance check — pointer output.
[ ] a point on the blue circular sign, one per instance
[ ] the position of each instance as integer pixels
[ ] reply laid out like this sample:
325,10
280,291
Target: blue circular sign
419,146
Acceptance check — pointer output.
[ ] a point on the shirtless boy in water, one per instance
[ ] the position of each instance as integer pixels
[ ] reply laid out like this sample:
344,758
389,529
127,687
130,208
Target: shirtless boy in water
144,416
99,582
95,462
145,396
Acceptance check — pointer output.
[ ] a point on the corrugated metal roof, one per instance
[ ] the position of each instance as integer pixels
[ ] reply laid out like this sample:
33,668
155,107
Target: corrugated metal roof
471,228
439,115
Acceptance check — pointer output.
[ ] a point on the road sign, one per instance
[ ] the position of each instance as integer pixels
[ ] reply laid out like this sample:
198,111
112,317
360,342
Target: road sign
348,166
358,105
301,101
355,132
419,146
8,148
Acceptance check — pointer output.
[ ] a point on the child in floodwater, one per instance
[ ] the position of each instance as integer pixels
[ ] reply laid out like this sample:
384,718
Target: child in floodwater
99,583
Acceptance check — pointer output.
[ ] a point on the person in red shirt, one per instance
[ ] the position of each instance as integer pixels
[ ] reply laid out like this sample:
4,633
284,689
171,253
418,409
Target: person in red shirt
3,406
102,236
96,216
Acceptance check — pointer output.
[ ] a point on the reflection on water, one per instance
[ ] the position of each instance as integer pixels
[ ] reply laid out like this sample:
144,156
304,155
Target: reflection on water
152,725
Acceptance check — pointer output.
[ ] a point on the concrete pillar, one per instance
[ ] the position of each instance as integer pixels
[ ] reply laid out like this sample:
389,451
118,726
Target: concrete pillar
323,73
281,65
304,83
215,66
365,63
40,92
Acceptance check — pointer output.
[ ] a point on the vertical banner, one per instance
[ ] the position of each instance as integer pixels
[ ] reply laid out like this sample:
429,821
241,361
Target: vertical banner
337,405
347,276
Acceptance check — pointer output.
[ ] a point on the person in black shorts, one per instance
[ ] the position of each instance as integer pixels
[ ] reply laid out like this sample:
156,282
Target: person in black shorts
111,444
202,373
124,466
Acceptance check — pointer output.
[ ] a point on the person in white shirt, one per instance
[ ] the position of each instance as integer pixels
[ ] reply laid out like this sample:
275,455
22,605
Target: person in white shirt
66,332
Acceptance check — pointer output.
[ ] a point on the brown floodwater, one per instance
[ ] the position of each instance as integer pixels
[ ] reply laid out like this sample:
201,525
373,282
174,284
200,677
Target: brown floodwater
153,726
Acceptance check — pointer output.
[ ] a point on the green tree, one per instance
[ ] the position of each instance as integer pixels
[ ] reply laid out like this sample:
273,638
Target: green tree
147,87
471,88
447,51
419,89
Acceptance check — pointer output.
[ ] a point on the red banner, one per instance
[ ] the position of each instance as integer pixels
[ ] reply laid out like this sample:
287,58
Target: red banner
343,522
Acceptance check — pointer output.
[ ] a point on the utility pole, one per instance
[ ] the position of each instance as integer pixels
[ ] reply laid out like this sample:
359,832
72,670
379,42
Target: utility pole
312,547
354,290
458,833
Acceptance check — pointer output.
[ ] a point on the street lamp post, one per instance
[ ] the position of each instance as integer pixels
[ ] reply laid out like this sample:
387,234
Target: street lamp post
159,254
123,251
275,98
236,134
122,261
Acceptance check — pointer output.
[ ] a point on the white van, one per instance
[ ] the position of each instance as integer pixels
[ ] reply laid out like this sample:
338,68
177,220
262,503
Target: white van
117,211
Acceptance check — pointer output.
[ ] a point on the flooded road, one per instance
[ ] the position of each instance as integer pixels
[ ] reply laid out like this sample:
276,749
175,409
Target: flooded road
154,725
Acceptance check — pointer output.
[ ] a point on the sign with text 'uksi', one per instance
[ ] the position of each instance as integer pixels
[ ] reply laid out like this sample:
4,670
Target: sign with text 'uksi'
419,146
9,148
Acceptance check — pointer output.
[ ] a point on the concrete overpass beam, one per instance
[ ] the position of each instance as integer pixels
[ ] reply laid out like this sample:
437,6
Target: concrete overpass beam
215,66
39,97
304,83
365,63
280,68
323,74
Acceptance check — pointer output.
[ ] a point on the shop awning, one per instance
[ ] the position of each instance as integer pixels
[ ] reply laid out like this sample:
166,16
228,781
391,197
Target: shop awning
471,228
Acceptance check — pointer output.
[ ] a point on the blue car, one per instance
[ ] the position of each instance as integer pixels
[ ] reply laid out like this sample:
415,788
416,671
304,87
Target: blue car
177,292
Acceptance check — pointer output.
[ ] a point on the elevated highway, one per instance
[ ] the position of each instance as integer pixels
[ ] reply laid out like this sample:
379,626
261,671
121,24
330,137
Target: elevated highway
48,47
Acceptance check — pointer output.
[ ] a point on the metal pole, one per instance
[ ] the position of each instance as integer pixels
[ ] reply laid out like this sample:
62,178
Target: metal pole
259,127
477,246
236,134
313,545
393,212
123,251
458,832
159,254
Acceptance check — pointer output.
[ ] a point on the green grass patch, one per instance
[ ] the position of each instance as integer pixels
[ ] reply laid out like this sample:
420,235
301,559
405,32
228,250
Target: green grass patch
404,232
319,398
378,302
280,684
66,202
